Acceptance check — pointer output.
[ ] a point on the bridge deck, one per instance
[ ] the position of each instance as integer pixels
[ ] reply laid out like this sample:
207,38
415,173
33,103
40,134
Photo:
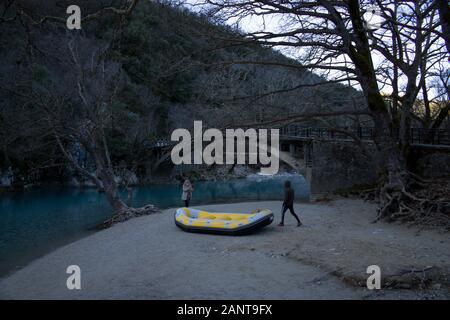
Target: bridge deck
418,135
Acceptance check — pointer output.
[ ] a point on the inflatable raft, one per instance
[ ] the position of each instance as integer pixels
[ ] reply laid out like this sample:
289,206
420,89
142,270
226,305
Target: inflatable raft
193,220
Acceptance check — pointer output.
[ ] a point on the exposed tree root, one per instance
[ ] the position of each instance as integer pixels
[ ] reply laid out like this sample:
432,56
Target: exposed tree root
128,214
418,201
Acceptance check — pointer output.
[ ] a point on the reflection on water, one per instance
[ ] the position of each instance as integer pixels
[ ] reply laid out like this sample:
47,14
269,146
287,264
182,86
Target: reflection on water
38,221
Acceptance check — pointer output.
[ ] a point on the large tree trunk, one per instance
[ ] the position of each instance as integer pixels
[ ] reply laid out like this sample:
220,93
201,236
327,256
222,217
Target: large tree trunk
386,141
405,123
385,132
110,187
106,172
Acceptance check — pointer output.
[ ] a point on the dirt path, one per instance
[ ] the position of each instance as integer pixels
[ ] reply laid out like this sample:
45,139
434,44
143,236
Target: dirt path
149,257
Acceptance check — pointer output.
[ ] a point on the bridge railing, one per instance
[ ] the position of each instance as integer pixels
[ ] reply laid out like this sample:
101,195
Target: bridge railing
365,133
418,135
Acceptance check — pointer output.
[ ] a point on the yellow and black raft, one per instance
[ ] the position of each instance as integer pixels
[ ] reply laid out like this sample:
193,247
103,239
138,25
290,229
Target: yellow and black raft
193,220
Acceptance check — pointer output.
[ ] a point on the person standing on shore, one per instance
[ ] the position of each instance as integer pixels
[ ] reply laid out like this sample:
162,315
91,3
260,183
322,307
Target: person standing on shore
187,192
288,203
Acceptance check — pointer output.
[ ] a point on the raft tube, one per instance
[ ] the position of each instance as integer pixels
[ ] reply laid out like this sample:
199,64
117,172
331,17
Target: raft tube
192,220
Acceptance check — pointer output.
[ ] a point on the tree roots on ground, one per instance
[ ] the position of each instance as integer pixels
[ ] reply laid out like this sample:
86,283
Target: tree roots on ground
418,201
128,214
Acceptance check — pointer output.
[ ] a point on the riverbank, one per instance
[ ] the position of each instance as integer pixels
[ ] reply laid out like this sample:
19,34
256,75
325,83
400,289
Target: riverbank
148,257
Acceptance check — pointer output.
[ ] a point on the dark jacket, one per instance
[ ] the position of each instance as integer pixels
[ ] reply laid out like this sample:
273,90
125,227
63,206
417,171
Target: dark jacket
288,197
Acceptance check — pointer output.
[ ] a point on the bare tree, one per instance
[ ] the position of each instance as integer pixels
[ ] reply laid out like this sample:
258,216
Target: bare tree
91,83
333,38
73,105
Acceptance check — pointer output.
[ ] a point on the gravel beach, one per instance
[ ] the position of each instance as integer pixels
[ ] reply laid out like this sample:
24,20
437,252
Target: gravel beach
327,258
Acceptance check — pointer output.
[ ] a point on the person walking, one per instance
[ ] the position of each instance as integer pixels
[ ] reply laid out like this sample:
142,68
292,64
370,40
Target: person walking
288,203
187,192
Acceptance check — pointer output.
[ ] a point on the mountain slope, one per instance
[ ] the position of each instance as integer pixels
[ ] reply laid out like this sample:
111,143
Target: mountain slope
171,67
